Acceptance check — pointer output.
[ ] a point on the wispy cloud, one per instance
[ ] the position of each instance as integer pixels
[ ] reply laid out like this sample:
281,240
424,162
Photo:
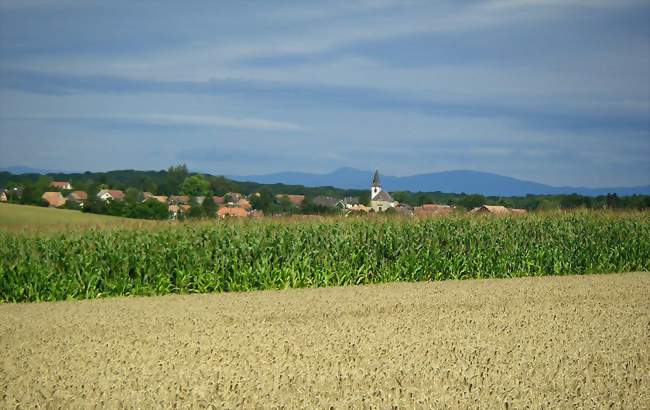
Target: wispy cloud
256,124
540,115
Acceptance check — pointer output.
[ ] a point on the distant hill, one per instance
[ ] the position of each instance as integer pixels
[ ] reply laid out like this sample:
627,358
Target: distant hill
26,170
473,182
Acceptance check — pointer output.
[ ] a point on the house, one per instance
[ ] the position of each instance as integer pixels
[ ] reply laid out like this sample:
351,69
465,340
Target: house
161,198
173,211
54,199
359,208
294,199
218,200
78,196
199,199
255,213
243,203
348,202
491,209
61,185
404,209
179,199
110,195
225,211
3,195
232,197
177,210
146,196
12,194
380,200
325,201
432,209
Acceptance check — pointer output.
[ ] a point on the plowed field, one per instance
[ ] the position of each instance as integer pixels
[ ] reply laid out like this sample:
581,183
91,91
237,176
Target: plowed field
551,342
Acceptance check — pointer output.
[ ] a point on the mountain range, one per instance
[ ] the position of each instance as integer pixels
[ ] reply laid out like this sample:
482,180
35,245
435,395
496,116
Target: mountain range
17,170
470,182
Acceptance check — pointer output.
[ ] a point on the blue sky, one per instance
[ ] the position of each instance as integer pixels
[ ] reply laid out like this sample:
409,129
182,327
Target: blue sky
554,91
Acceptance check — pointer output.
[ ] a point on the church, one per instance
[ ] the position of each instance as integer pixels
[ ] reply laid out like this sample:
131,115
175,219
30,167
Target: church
380,200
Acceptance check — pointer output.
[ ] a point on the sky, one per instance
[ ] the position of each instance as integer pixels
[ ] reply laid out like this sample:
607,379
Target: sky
552,91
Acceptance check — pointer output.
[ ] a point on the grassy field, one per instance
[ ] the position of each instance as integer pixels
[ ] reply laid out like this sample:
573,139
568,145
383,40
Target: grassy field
551,342
25,217
272,254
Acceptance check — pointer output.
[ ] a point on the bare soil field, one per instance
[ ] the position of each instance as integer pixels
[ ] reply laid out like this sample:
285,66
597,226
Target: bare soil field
551,342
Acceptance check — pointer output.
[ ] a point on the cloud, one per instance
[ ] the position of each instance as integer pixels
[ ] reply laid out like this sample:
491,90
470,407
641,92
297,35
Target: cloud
541,116
256,124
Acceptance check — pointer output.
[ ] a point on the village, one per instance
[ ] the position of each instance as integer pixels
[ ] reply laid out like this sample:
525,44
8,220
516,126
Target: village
234,204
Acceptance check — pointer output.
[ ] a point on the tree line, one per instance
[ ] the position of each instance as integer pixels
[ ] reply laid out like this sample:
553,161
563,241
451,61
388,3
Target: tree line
178,180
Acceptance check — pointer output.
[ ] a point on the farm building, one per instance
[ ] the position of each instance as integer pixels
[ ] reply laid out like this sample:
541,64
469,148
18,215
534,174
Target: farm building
243,203
359,208
326,201
432,209
78,196
61,185
348,202
294,199
380,200
218,200
179,199
54,199
491,209
404,210
229,212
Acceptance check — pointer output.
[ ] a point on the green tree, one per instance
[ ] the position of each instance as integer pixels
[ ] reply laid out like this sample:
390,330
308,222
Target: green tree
471,201
150,209
285,205
147,185
209,208
364,198
263,201
94,205
42,185
133,195
72,205
220,185
175,177
196,185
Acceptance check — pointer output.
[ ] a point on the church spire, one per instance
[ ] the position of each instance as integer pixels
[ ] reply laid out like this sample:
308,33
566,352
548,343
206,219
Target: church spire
375,180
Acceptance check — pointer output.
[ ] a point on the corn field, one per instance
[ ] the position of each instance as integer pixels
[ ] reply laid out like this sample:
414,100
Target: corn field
271,254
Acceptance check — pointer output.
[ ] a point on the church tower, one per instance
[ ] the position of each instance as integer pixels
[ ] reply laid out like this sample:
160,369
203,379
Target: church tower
376,185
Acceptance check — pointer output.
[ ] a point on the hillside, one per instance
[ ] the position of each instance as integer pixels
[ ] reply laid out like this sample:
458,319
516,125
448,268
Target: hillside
17,217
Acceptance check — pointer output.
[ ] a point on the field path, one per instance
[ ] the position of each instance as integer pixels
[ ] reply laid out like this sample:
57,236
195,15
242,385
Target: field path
551,342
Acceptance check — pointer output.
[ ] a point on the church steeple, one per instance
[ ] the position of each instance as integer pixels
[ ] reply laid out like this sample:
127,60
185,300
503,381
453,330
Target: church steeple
375,180
376,185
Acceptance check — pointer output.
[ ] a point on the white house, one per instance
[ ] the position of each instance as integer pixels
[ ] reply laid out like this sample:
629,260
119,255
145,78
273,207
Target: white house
61,185
110,195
